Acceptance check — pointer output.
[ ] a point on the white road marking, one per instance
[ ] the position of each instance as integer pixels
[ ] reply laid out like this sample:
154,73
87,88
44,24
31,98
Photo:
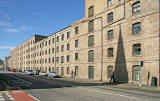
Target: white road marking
22,80
33,97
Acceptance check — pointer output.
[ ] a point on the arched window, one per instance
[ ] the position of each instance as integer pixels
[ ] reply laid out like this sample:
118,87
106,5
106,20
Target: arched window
136,7
91,11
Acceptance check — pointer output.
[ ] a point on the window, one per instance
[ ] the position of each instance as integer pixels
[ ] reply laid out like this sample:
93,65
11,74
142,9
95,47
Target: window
62,37
45,60
136,28
49,42
110,52
91,26
76,56
76,70
109,2
57,49
46,52
136,49
49,51
52,50
62,48
62,59
68,35
136,7
110,34
57,38
68,70
62,71
52,40
57,70
68,58
68,46
110,17
136,73
76,43
46,43
49,60
109,71
76,30
57,59
91,41
52,59
91,56
91,11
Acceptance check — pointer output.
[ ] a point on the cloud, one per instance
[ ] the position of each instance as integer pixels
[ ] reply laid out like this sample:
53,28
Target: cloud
11,30
23,28
5,24
6,47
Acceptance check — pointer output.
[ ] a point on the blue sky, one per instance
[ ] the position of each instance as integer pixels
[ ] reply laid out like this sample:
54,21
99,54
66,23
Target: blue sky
21,19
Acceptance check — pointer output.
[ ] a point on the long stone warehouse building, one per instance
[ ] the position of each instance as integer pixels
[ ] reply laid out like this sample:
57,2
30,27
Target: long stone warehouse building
120,35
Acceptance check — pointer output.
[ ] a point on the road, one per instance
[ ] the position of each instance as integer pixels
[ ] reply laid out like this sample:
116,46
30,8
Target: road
51,89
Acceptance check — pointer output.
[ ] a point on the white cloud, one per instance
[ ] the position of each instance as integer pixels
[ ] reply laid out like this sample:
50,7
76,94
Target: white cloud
23,28
6,47
5,24
11,30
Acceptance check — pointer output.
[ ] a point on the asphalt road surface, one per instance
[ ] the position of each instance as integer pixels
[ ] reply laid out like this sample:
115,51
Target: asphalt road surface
50,89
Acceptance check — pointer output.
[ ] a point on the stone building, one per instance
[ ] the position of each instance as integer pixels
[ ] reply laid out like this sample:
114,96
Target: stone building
120,35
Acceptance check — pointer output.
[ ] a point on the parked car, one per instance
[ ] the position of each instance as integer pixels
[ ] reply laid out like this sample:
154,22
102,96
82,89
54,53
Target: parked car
42,73
19,70
36,72
29,72
53,74
13,70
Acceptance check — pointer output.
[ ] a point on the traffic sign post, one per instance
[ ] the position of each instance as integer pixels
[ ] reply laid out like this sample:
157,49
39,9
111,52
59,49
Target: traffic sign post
140,73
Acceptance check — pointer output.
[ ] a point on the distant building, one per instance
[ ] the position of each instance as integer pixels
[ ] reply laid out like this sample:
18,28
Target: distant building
114,35
7,62
1,63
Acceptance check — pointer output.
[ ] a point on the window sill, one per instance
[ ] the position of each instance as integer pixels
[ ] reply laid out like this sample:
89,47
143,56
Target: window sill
134,14
137,55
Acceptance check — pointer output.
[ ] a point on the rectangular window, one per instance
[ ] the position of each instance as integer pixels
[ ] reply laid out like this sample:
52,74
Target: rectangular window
68,58
91,56
46,43
91,11
68,70
91,26
52,50
49,60
76,43
76,70
110,34
52,59
57,50
57,59
62,37
62,59
109,2
76,56
110,52
62,48
136,28
68,46
91,41
110,17
68,35
57,38
49,51
49,42
136,49
52,40
76,30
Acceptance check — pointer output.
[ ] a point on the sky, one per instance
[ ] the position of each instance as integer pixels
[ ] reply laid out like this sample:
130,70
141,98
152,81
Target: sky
22,19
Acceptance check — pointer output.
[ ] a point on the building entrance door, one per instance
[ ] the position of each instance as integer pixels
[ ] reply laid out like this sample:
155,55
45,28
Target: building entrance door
90,72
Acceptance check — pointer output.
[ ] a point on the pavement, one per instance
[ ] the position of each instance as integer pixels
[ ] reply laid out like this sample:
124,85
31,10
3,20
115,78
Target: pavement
115,85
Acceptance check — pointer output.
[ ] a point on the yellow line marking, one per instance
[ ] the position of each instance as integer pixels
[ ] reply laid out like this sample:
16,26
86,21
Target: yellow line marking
1,92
